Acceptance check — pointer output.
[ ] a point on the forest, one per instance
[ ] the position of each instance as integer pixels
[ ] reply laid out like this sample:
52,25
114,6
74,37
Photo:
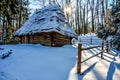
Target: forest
85,16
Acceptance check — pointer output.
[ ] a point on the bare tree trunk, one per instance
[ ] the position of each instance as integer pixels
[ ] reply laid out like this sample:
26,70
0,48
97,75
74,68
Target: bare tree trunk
81,18
77,17
97,12
84,27
103,13
20,13
86,23
92,13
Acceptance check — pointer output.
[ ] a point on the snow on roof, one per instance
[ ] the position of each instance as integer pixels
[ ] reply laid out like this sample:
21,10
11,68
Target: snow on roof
47,19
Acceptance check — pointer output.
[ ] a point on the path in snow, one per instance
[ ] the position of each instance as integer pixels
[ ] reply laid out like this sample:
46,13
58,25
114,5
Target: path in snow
107,68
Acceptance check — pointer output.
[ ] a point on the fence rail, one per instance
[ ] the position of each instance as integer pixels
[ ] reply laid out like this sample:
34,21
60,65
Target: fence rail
90,40
80,49
91,47
92,56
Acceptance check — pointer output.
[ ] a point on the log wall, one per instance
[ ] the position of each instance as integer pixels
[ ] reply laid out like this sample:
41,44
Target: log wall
47,38
60,40
24,39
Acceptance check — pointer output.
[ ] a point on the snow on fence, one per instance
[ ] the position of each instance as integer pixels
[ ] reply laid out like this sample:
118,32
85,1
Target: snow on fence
80,49
90,40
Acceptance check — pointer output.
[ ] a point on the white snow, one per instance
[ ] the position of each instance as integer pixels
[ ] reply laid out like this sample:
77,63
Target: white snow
37,62
46,19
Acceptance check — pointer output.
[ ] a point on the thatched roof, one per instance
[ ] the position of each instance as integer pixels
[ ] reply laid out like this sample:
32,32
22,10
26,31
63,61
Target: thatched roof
47,19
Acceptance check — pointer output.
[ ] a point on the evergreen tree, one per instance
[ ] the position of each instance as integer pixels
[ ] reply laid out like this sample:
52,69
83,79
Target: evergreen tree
108,28
12,15
8,8
116,24
111,25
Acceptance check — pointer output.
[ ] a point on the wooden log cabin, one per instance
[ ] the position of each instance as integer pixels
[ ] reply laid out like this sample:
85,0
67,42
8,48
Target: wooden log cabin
47,26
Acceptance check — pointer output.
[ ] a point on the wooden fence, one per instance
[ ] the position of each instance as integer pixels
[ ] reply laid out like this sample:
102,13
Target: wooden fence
80,49
88,40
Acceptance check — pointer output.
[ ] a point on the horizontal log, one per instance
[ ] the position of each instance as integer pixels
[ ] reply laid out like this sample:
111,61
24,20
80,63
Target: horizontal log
45,42
61,41
90,47
89,39
58,40
61,36
92,56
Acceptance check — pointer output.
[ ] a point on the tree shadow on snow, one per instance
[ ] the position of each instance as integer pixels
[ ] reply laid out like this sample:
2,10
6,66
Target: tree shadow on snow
117,65
81,76
91,51
115,52
111,71
112,58
97,75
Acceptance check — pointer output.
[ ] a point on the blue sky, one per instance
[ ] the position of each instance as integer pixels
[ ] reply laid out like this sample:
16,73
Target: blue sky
34,4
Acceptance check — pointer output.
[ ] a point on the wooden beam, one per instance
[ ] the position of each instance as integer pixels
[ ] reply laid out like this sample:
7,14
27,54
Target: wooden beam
79,58
90,47
92,56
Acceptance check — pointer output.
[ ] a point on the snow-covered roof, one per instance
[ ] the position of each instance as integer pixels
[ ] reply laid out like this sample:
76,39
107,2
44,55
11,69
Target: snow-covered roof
48,19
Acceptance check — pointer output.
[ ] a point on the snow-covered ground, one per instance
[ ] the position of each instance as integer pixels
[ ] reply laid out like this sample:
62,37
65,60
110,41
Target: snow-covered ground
37,62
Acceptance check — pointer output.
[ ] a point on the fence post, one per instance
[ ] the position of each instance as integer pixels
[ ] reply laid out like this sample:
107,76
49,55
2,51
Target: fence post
107,46
79,58
102,49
